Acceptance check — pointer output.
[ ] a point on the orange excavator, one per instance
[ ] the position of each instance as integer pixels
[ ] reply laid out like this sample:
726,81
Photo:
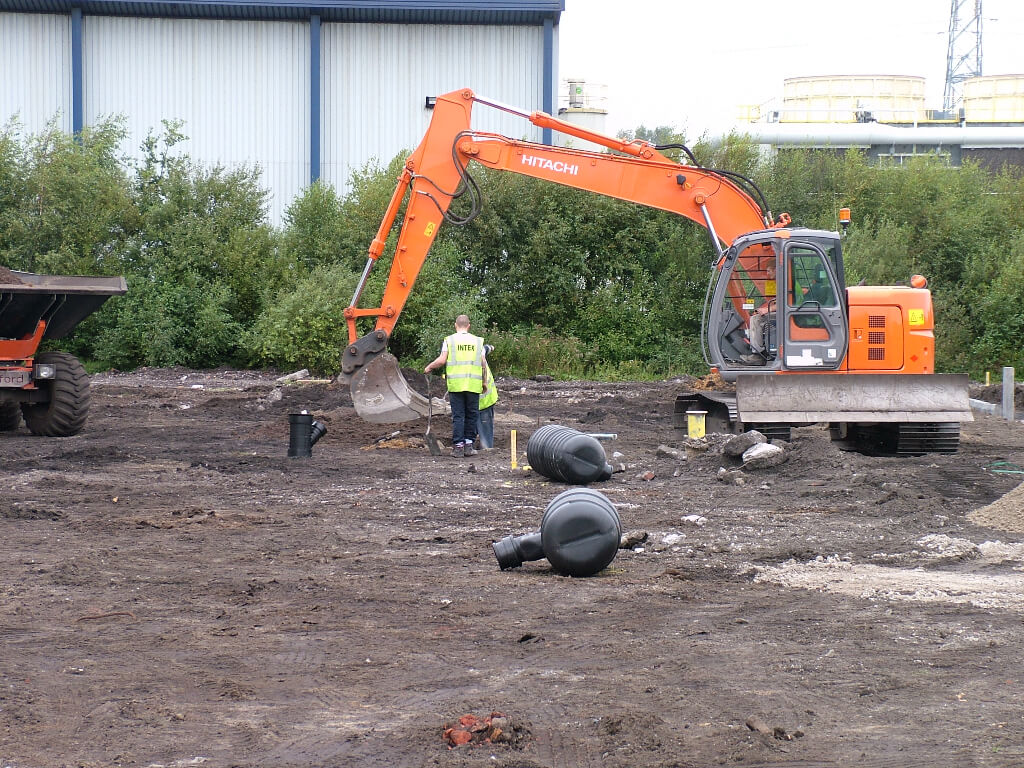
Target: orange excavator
778,321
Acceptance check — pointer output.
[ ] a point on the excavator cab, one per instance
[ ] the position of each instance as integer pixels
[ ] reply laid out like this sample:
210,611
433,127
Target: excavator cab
801,348
778,304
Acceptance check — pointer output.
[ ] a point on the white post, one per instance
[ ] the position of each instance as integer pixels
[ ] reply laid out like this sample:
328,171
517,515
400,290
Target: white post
1008,388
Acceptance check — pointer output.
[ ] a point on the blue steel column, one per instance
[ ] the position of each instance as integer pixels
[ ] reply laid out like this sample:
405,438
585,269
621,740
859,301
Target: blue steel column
314,98
549,73
77,110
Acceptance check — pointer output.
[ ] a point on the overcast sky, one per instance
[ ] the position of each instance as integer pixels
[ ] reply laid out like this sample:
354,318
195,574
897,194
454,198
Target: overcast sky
690,64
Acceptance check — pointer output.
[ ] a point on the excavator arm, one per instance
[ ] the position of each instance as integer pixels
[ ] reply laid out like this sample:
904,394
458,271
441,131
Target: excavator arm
437,173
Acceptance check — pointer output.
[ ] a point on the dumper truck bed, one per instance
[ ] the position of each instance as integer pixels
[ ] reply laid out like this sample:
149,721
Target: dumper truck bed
63,301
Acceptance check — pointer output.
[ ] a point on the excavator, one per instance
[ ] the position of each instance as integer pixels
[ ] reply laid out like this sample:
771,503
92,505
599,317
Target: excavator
791,342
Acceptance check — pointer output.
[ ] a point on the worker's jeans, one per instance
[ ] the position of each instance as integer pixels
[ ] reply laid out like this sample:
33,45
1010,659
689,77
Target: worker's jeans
485,421
464,416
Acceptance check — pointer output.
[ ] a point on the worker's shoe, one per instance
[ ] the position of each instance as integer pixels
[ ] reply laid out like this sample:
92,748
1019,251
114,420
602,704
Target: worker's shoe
468,449
458,451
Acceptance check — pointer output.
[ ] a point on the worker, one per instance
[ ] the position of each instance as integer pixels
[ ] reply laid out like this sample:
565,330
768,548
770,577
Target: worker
759,319
462,354
488,398
821,292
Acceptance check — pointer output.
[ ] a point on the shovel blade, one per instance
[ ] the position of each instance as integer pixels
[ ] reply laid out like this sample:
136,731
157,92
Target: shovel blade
433,443
381,395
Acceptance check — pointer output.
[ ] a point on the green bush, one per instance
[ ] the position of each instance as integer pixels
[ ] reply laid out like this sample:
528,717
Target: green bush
304,326
528,351
162,323
65,205
999,320
210,223
878,253
313,227
563,281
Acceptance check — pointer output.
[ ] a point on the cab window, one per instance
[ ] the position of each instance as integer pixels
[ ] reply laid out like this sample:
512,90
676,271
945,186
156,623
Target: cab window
809,280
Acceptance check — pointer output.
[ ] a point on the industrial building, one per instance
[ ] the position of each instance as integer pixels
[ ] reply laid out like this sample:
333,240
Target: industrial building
885,116
982,116
306,91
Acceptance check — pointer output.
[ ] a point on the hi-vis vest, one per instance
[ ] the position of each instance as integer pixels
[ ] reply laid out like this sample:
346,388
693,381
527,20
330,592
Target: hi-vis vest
490,397
464,369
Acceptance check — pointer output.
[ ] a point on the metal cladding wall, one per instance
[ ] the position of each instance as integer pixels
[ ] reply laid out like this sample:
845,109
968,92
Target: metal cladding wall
35,70
376,78
301,91
241,88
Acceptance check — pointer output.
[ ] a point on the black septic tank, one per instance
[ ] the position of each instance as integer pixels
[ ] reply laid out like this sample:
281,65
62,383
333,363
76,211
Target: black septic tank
562,453
579,535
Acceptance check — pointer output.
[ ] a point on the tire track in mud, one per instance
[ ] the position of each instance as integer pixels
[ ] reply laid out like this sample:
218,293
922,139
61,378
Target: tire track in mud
331,734
553,741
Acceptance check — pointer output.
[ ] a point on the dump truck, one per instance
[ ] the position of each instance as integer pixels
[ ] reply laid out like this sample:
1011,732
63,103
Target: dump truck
780,322
50,390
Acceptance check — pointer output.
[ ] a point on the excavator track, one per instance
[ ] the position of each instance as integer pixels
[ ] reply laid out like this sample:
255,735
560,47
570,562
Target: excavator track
885,439
721,415
772,431
913,439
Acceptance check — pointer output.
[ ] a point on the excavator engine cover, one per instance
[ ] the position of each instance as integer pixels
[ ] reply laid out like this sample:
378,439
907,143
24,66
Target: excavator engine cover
381,395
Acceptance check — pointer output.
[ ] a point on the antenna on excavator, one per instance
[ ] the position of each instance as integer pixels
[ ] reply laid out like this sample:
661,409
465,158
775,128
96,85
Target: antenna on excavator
963,58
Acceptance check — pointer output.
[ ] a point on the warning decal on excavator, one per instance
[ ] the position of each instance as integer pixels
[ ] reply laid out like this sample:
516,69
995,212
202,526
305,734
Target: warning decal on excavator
431,226
915,316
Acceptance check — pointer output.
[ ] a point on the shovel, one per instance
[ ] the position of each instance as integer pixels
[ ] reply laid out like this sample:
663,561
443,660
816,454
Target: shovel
429,437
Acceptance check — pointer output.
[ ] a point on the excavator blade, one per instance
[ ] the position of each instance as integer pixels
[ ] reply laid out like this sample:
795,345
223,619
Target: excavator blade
381,394
809,398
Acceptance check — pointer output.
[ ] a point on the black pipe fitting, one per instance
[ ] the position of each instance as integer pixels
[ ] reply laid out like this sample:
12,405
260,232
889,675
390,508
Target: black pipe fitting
579,535
303,434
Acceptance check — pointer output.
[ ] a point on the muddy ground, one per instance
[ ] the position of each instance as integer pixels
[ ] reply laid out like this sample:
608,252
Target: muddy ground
177,592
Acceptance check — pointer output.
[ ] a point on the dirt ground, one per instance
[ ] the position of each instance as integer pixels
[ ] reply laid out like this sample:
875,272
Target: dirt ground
177,592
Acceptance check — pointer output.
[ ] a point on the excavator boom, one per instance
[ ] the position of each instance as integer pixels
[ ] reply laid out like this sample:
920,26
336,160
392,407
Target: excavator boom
437,172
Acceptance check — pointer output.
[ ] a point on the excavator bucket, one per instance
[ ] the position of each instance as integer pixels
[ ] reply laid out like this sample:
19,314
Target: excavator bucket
381,394
810,398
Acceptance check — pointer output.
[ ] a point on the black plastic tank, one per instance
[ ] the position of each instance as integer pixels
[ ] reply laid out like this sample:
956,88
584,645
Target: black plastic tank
564,454
579,535
302,434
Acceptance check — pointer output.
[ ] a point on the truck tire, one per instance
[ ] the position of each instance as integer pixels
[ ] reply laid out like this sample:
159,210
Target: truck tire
10,416
65,413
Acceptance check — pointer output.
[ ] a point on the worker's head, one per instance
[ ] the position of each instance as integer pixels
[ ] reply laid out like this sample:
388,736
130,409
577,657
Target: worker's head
462,323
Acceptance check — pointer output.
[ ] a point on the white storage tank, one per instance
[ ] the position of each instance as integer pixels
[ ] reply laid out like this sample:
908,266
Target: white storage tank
994,99
853,99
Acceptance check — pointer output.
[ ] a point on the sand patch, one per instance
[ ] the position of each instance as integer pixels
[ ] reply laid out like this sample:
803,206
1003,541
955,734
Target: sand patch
1005,513
876,582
